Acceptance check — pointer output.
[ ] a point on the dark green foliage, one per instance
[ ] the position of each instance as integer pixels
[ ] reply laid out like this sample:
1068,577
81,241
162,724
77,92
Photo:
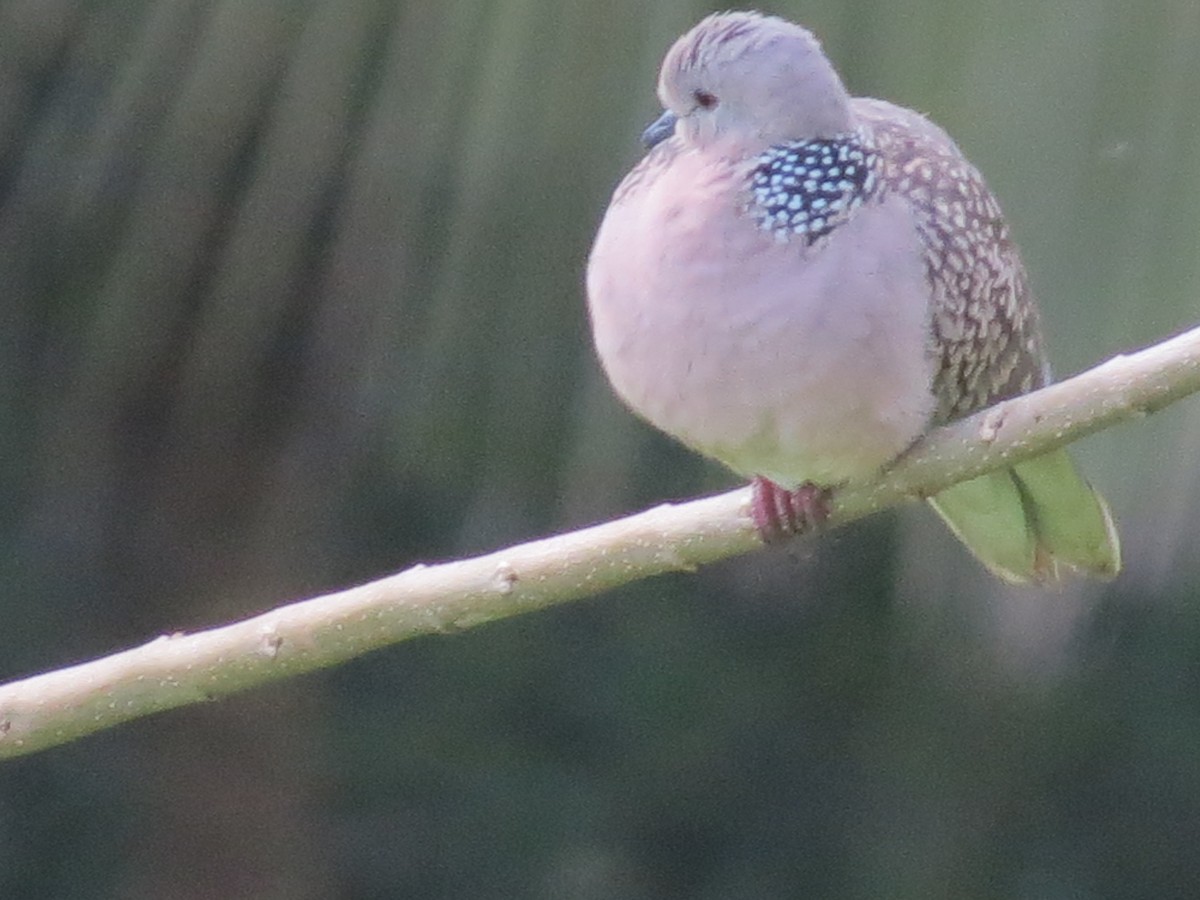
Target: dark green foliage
293,298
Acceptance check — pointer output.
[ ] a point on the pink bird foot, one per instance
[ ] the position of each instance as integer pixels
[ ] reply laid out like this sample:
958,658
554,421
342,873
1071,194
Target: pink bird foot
779,513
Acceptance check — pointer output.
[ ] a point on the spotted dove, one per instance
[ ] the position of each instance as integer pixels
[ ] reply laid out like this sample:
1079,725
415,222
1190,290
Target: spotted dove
800,284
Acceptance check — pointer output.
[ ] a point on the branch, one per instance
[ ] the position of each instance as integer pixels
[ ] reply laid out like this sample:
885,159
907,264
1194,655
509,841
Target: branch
179,669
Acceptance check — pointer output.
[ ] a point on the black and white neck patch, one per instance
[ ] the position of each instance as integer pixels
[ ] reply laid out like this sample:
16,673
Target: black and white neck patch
807,188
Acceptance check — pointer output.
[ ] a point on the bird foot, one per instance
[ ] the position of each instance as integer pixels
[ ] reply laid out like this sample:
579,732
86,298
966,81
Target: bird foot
779,513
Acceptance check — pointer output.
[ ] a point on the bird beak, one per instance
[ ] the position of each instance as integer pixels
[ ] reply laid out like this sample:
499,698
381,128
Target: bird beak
660,129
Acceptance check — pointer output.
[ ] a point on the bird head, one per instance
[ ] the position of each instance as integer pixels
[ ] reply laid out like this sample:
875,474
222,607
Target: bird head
744,81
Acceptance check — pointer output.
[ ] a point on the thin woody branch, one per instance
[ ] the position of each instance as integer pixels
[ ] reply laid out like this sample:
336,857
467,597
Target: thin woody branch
175,670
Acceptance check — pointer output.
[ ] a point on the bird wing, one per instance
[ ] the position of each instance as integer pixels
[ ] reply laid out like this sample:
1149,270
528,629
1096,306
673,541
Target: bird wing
986,339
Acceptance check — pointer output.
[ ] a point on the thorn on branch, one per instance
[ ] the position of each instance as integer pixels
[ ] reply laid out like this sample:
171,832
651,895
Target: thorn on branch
506,578
989,429
269,642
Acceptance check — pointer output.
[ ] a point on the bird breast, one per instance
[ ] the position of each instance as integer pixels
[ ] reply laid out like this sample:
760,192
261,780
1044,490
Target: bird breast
797,362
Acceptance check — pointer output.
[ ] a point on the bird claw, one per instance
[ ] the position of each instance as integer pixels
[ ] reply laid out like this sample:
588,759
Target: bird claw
780,513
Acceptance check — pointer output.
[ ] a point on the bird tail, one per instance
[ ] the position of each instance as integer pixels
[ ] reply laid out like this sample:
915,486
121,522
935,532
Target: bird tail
1032,521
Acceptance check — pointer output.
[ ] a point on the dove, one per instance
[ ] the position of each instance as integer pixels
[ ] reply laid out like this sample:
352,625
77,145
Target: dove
800,284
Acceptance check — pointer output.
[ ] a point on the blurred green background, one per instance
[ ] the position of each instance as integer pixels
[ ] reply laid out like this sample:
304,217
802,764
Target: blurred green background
292,297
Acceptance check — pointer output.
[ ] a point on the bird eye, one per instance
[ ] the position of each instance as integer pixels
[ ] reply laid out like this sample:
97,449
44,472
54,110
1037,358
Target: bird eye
704,99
